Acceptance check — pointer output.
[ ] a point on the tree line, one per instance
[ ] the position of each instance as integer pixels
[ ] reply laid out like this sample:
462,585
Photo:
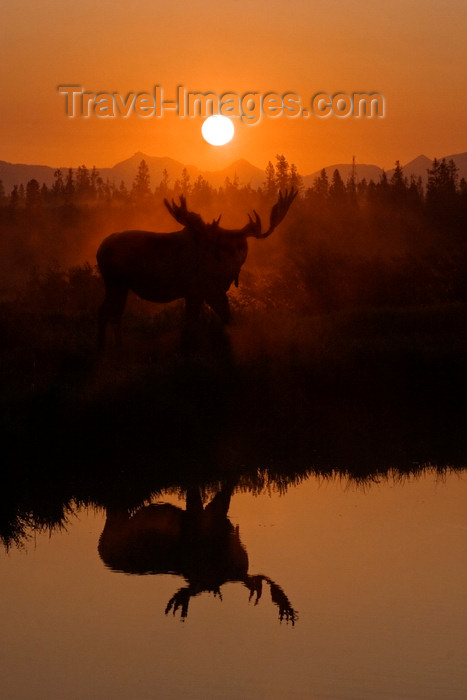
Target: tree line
443,194
345,243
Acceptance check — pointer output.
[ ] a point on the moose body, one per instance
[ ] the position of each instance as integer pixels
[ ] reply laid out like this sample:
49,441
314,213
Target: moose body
198,543
198,263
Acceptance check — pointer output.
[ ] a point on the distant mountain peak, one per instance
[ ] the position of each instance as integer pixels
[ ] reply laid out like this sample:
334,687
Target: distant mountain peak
418,160
139,155
242,161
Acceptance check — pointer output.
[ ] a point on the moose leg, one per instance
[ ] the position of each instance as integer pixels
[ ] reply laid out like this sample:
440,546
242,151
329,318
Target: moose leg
112,310
192,309
220,304
190,331
194,509
219,505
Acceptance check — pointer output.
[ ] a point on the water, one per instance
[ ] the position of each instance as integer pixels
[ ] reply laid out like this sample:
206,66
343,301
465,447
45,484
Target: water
375,574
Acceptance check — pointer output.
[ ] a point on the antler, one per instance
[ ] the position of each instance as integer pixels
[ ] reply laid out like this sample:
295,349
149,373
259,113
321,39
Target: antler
253,228
181,599
181,214
278,212
278,597
286,611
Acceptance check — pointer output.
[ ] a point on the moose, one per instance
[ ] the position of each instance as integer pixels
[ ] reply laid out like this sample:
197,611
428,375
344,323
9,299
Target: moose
198,543
197,263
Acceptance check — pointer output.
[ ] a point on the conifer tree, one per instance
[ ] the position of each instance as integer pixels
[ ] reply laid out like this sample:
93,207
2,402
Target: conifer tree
282,172
141,190
270,187
33,195
337,187
295,179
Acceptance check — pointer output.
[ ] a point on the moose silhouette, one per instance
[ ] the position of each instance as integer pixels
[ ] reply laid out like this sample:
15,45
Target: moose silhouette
198,263
198,543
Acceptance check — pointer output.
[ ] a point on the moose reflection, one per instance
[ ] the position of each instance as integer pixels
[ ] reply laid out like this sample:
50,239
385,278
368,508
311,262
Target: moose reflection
198,263
199,543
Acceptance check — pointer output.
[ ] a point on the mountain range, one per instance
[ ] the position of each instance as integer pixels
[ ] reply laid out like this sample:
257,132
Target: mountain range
16,173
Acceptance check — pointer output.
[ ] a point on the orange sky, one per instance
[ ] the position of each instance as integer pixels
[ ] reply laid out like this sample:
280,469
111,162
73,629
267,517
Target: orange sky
413,53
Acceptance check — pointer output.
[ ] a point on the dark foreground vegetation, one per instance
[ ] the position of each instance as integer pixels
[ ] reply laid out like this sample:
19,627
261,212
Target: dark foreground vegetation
347,356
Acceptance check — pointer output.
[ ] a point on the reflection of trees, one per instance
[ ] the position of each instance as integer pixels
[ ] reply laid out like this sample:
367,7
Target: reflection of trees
198,543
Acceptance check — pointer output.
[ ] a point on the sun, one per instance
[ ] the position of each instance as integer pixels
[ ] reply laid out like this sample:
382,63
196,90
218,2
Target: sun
217,130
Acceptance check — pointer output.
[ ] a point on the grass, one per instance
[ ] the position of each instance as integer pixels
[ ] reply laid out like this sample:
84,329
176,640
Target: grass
362,393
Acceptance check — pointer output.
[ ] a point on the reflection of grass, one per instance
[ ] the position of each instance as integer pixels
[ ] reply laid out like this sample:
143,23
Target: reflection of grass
359,393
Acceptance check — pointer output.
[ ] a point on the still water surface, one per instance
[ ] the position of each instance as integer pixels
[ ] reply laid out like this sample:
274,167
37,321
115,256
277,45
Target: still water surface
372,579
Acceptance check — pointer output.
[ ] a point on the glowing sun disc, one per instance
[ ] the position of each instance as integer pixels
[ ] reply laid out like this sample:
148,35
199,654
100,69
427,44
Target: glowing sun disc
217,130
